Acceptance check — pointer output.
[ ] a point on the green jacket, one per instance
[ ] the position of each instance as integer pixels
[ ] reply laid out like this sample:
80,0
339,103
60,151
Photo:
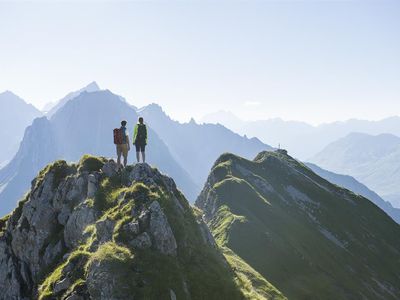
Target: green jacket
135,133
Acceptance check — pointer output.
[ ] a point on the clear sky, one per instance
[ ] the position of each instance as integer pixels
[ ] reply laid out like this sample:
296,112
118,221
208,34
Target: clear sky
316,61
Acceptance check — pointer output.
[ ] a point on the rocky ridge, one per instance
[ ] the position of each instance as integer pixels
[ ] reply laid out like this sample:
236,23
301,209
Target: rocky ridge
91,231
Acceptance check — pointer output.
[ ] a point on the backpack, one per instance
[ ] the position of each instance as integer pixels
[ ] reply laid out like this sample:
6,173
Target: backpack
118,138
142,133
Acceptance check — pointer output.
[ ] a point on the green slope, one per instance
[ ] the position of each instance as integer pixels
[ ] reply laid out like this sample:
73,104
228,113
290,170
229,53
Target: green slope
308,237
102,252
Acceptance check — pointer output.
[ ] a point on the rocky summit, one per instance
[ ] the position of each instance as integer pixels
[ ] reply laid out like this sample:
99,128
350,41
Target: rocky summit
92,231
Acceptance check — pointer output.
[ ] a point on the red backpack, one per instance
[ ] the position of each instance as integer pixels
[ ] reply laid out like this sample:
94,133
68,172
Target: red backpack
118,136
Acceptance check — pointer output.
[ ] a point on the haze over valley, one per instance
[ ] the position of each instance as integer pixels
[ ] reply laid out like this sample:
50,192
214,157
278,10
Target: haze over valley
199,150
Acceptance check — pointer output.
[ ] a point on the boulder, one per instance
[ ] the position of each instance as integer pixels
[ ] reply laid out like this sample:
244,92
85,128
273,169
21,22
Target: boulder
92,186
105,230
141,242
80,218
160,230
132,228
110,168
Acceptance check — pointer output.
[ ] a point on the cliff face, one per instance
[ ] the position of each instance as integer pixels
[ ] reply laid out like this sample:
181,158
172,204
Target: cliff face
90,231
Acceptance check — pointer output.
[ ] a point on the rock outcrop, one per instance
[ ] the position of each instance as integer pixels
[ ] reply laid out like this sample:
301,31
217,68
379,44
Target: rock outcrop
92,231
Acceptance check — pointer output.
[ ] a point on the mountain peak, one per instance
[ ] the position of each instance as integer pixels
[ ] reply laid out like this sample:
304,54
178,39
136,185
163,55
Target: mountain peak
151,108
6,95
98,232
91,87
52,108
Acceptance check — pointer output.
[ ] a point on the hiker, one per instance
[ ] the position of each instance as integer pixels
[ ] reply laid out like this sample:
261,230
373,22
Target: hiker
140,139
121,140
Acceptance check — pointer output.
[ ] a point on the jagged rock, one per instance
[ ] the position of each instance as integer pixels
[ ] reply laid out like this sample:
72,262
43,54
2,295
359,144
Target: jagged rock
52,252
142,241
110,168
144,173
205,232
63,216
104,283
62,285
72,191
172,294
164,240
34,227
75,296
9,283
144,220
105,230
26,274
80,218
48,245
132,228
92,186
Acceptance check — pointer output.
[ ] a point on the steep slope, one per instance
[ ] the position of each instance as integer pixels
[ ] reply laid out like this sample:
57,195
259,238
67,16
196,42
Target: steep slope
15,116
37,149
88,231
82,125
373,160
197,146
308,237
356,187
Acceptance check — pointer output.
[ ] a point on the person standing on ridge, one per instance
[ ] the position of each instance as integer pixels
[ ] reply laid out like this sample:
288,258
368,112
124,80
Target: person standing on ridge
121,139
140,139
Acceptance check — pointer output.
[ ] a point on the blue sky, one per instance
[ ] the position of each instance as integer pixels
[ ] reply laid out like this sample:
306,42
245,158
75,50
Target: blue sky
316,61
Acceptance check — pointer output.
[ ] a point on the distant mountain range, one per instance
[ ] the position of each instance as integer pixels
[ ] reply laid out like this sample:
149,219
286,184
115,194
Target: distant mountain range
357,187
195,146
51,108
84,125
15,116
311,239
373,160
18,115
301,139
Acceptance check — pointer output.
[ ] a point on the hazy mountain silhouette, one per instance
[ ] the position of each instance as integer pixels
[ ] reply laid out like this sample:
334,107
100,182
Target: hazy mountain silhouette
15,116
83,125
197,146
51,108
301,139
373,160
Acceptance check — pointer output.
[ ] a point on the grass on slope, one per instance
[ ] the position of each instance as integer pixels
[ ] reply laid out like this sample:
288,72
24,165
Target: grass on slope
3,223
283,243
198,269
252,284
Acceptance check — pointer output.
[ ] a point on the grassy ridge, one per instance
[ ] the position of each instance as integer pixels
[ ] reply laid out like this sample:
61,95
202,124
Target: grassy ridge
309,238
